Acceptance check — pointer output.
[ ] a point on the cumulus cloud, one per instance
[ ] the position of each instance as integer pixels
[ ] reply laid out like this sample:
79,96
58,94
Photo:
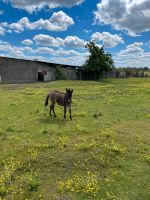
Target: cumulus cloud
57,53
35,5
130,15
46,40
7,48
108,39
44,50
70,41
87,31
1,12
59,21
133,56
43,53
27,42
70,60
73,41
2,30
63,52
134,48
3,42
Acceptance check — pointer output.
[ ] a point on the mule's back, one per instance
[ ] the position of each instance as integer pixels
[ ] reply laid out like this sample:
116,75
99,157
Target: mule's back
57,97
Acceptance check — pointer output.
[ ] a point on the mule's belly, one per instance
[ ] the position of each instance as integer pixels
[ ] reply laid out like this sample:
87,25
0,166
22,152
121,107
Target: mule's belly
60,101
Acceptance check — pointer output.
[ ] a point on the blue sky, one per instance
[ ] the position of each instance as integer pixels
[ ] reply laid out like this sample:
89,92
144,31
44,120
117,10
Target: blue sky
57,31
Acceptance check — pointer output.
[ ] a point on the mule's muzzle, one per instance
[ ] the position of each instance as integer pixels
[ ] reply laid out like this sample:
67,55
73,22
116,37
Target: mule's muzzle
69,102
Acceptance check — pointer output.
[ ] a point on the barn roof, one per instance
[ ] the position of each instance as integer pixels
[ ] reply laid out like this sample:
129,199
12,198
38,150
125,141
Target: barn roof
38,61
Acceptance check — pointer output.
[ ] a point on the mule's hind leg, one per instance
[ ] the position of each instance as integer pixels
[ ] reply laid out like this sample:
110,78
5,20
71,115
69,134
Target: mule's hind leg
52,106
53,109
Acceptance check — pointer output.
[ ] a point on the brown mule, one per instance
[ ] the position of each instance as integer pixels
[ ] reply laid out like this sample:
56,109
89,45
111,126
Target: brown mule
62,99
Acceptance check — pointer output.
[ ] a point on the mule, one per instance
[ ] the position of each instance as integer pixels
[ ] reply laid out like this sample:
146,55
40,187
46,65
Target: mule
62,99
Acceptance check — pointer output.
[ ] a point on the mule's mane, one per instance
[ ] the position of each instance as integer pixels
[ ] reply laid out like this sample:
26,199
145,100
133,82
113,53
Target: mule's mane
59,92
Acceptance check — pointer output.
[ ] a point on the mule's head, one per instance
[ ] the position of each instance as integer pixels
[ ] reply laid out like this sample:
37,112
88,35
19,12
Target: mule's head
69,95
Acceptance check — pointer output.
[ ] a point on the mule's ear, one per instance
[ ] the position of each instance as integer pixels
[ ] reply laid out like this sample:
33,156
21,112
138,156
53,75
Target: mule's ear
66,89
72,90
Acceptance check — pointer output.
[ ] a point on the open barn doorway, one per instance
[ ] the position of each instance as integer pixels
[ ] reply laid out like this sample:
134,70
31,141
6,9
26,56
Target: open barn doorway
40,76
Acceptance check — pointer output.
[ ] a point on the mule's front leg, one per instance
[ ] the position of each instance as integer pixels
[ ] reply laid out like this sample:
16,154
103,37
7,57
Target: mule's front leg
50,111
52,108
65,112
70,113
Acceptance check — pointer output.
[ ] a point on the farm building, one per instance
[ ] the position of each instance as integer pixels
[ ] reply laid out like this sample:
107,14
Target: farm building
20,71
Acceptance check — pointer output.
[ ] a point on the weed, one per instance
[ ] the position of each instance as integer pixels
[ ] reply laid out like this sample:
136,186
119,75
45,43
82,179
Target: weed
97,114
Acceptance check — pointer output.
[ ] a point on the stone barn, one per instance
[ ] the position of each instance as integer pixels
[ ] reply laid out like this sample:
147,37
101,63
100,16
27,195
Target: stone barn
22,71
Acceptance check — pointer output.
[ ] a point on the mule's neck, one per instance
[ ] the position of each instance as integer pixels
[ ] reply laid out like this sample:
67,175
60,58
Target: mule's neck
65,99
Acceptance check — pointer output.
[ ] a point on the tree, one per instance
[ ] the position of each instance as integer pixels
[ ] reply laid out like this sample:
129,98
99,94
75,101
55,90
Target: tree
98,61
59,73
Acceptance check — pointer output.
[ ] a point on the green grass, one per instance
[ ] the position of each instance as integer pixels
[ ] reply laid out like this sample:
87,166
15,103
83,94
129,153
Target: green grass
104,153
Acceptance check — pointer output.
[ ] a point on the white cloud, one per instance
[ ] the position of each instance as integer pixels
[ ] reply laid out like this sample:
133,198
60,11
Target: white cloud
2,30
70,60
130,15
108,39
63,52
58,55
69,41
34,5
73,41
148,43
27,42
27,49
46,40
45,50
5,47
133,56
132,49
3,42
1,12
59,21
14,50
87,31
58,52
34,57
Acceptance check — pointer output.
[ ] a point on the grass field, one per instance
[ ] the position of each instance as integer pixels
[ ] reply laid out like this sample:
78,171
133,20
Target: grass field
103,154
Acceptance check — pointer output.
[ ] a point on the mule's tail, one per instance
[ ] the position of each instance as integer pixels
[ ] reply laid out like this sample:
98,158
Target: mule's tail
46,100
